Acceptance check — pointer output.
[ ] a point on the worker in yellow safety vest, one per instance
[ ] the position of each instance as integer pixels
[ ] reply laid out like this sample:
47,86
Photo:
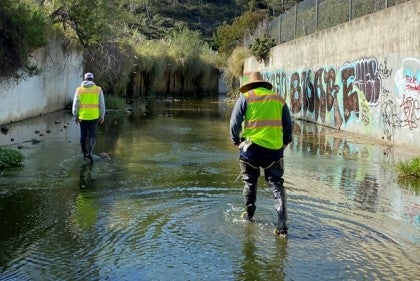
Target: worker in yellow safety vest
261,127
88,110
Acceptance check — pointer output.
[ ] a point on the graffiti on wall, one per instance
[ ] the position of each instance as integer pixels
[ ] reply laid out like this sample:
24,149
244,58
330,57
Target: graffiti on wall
407,79
359,93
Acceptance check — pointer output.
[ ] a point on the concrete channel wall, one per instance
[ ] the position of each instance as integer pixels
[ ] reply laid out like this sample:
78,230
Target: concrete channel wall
48,92
362,76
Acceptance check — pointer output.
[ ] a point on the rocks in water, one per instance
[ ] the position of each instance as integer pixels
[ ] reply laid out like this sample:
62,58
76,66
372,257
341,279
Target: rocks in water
4,130
104,155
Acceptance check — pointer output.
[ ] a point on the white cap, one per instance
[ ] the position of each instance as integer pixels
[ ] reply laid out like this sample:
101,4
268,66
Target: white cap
88,76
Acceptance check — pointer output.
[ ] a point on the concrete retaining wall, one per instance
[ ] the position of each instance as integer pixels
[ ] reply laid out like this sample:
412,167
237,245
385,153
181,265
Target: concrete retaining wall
48,92
362,76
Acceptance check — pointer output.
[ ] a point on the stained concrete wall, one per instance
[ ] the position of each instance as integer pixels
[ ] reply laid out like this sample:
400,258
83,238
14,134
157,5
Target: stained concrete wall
48,92
362,76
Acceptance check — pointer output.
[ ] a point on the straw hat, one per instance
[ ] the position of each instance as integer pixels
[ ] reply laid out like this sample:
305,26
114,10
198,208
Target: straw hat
252,80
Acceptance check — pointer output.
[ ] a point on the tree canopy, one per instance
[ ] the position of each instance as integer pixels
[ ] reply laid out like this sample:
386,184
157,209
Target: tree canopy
23,28
114,34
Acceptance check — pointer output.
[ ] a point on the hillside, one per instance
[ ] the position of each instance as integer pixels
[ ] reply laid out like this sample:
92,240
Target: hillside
155,17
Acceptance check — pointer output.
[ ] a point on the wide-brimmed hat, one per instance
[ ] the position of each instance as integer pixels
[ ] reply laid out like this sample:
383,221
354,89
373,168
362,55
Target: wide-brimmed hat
252,80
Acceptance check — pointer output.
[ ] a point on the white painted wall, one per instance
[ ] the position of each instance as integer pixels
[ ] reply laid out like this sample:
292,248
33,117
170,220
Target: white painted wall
362,76
48,92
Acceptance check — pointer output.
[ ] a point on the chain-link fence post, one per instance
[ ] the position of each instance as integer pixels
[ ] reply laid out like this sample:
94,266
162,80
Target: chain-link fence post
281,19
316,15
294,37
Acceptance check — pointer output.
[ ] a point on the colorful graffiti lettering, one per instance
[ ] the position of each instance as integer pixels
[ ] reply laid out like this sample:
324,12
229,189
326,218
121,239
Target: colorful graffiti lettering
350,96
368,80
412,84
354,95
295,93
407,80
278,80
320,100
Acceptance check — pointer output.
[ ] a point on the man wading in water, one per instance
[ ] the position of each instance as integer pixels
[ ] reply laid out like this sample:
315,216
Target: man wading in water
89,110
261,127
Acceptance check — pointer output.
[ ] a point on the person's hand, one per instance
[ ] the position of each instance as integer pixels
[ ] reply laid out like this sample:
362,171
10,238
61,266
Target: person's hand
77,120
101,120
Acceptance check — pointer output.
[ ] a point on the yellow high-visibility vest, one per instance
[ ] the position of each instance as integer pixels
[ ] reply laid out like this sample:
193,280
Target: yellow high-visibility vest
88,102
263,118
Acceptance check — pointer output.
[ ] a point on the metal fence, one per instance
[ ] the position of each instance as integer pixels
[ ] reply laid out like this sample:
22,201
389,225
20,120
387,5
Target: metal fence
314,15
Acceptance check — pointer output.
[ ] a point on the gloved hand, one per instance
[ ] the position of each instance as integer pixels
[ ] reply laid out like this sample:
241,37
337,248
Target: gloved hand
245,144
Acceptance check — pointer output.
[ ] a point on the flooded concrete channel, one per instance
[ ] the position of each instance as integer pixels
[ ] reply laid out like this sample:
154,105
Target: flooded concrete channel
166,205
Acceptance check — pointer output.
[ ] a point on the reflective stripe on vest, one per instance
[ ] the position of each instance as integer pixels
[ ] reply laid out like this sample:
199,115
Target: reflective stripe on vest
263,118
88,102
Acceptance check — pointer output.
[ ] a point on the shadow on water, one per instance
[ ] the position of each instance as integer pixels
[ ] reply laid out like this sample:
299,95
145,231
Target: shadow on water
166,205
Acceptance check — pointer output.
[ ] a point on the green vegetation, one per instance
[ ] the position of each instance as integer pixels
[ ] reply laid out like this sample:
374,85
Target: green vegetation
143,48
409,168
235,67
136,48
261,47
409,174
332,13
114,102
23,28
236,60
230,36
231,42
181,63
10,158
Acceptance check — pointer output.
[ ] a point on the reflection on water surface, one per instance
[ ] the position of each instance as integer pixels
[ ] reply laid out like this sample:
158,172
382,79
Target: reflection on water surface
166,206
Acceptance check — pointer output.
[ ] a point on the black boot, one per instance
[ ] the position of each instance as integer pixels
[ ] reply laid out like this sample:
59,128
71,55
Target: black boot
249,177
274,177
281,209
250,196
84,150
92,142
250,210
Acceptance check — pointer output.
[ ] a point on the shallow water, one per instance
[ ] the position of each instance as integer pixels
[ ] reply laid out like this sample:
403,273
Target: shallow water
167,205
